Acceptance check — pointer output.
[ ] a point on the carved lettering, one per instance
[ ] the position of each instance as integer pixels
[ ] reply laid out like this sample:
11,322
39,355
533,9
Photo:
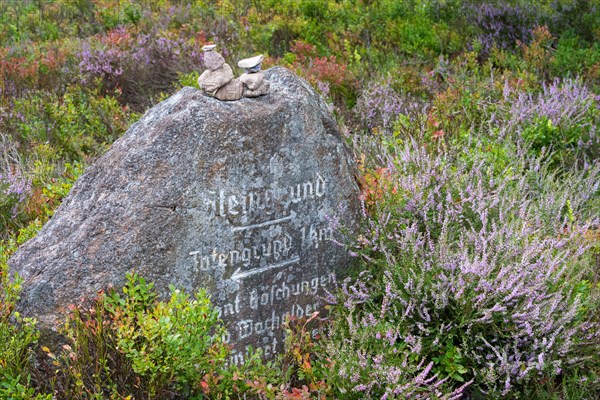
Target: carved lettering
233,203
271,252
313,236
268,230
308,190
262,202
274,294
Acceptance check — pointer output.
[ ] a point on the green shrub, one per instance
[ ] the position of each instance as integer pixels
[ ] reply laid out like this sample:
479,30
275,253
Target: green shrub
572,58
17,334
77,124
190,79
130,344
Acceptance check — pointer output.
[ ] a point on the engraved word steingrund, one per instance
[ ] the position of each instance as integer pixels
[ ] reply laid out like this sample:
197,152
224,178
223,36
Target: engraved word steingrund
223,204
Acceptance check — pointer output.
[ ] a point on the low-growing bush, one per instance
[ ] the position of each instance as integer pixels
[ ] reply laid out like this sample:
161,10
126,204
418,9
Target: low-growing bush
328,74
502,24
139,65
130,344
562,117
77,124
14,191
17,334
473,275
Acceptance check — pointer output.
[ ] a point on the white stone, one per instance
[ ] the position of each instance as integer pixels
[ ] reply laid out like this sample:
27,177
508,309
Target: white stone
250,62
208,47
252,81
211,81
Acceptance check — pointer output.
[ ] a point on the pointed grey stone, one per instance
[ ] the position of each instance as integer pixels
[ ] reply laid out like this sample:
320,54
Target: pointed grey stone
235,197
213,60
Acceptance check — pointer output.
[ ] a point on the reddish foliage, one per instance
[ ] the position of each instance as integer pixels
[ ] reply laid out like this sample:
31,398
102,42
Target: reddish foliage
318,69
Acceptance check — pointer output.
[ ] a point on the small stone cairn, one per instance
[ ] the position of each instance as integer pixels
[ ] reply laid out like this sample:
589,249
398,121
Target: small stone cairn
254,81
218,80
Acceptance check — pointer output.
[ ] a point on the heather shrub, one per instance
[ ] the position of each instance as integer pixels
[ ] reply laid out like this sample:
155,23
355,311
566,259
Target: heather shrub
473,275
503,24
48,185
562,117
139,65
379,105
14,191
363,354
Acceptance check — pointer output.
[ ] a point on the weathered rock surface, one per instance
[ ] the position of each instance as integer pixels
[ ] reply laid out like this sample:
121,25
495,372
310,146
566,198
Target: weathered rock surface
252,81
213,60
231,196
211,81
233,90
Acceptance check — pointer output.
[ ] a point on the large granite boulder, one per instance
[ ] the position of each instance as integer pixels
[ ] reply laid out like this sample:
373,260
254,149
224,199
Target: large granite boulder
235,197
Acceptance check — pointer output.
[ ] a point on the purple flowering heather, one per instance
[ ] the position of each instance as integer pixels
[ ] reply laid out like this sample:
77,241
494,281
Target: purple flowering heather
502,25
380,105
564,102
139,65
472,268
563,116
14,190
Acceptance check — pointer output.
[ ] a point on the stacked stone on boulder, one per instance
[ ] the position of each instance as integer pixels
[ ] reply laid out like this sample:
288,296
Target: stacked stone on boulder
218,79
239,198
254,83
232,90
212,80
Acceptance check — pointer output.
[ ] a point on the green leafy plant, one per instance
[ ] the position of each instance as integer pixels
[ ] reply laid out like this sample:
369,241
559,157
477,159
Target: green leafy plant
451,363
176,342
18,335
131,344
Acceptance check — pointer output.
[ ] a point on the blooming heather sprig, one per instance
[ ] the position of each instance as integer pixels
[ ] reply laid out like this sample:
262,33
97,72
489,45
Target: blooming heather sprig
14,190
139,64
379,105
564,102
563,117
502,25
475,266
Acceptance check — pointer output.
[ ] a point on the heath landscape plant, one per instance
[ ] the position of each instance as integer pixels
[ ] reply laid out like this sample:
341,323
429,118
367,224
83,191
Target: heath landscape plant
139,65
15,189
131,344
563,117
474,275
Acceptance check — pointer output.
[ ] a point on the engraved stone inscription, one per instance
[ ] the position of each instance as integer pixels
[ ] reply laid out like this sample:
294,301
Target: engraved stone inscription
233,197
276,233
